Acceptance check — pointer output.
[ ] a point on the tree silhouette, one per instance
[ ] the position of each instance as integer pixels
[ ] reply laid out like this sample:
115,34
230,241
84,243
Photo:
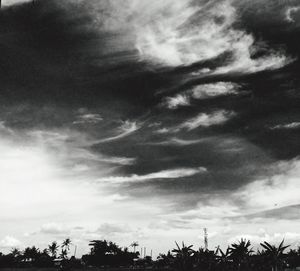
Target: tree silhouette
65,247
134,245
53,248
183,257
205,259
105,253
110,256
165,260
31,253
16,252
66,244
274,254
223,258
63,254
240,252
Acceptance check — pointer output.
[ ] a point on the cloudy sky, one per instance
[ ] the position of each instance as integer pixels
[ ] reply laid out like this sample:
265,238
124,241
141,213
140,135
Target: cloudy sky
148,121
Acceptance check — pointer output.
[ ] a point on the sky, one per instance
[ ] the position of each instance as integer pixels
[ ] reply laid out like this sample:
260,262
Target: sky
149,121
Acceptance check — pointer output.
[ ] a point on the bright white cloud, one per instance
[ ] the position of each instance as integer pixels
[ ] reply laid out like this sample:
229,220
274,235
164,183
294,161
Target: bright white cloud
272,238
165,174
189,33
177,101
201,92
290,12
206,120
202,120
73,144
9,242
293,125
183,32
213,90
280,189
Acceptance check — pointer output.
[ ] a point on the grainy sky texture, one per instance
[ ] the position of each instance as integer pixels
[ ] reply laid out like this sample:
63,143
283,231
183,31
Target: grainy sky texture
149,120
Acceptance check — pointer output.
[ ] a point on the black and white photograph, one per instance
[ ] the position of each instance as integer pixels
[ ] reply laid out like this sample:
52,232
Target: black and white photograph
155,135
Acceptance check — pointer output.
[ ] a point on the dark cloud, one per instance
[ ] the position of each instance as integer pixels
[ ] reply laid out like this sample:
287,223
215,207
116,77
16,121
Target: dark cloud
61,69
285,213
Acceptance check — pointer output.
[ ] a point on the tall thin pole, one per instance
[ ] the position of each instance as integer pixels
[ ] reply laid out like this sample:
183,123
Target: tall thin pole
205,239
75,245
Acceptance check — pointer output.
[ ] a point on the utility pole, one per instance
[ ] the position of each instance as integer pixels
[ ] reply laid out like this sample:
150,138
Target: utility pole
205,239
75,250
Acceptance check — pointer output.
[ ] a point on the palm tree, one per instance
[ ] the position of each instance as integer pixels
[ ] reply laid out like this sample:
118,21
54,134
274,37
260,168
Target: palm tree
240,252
224,258
134,245
63,254
183,257
66,244
53,248
274,254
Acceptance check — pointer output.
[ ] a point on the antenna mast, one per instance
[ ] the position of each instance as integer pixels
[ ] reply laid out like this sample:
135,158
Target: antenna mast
205,239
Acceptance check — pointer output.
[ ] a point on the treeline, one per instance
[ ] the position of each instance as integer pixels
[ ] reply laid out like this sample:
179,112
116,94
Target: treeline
239,256
34,257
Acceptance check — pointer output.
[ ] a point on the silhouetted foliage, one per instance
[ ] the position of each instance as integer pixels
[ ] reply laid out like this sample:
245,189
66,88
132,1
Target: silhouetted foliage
53,249
105,254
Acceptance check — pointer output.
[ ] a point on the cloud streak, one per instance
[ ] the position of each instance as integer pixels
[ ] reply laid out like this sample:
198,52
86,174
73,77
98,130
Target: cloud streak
206,120
126,129
165,174
292,125
202,92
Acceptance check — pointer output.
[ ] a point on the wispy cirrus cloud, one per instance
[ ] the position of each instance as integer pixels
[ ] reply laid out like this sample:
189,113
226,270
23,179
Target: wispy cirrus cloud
88,118
74,145
203,120
176,142
126,129
201,92
292,125
164,174
206,120
167,39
